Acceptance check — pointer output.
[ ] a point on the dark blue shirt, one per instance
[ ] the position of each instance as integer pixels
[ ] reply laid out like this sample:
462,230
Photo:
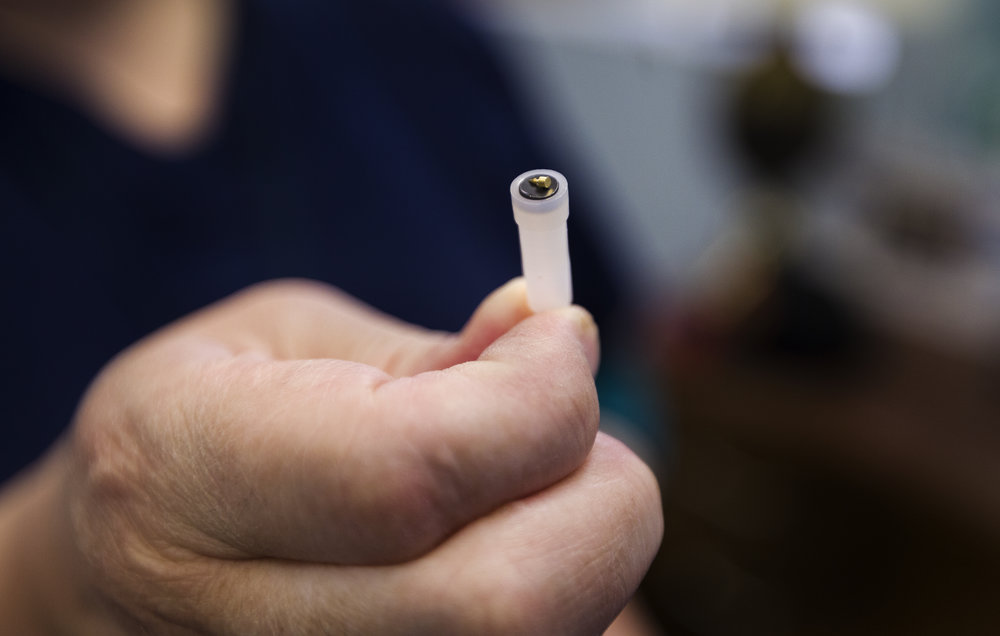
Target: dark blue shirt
366,144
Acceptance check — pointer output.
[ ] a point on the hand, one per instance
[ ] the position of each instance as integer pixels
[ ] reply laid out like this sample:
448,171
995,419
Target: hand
290,461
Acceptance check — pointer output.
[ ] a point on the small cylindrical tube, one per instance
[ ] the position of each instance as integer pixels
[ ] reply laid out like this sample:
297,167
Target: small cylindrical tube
541,207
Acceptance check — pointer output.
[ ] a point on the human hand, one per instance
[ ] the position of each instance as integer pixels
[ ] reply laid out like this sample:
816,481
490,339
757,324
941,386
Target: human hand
289,461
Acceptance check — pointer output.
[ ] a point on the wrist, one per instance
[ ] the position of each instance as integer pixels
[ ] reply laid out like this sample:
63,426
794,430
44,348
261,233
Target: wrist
40,591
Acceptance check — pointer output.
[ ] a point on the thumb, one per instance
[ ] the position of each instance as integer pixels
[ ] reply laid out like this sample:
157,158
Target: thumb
496,315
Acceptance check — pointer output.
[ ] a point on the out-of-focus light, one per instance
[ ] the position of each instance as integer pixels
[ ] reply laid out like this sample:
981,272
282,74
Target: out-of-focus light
732,34
846,47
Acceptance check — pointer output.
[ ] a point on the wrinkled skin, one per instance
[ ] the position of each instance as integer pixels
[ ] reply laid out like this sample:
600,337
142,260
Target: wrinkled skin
290,461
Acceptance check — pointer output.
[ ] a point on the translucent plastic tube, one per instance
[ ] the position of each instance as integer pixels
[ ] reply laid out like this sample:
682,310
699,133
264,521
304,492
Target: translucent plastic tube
541,207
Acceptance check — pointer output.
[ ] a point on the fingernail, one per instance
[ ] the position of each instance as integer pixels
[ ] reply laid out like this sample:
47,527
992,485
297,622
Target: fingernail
584,321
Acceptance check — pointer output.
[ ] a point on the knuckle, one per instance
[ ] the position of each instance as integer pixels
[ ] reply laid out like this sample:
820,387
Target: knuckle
106,454
573,410
568,384
513,600
409,510
516,610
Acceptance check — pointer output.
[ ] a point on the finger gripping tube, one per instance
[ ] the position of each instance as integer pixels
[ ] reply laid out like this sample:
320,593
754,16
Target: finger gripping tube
541,206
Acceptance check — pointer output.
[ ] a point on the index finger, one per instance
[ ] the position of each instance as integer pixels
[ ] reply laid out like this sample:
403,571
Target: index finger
336,462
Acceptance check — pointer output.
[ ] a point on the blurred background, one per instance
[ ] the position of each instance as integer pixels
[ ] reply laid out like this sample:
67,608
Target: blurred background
804,193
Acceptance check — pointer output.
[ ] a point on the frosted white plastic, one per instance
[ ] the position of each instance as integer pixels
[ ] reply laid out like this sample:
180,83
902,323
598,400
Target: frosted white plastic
541,224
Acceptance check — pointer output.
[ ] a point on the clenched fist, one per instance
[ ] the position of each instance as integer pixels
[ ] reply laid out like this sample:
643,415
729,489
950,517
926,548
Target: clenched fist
290,461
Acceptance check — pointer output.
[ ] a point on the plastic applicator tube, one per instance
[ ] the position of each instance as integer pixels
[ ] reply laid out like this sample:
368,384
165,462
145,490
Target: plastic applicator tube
541,207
